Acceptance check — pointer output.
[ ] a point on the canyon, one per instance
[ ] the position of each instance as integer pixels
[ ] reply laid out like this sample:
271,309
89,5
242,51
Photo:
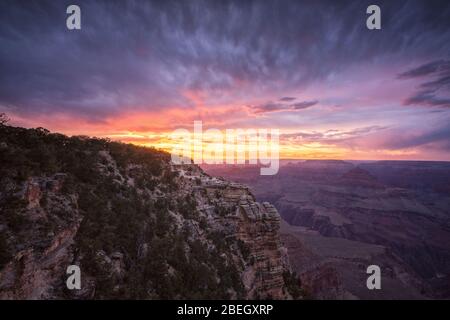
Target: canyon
140,227
341,216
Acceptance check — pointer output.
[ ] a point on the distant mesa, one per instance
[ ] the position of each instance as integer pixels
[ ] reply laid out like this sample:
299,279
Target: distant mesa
360,177
326,162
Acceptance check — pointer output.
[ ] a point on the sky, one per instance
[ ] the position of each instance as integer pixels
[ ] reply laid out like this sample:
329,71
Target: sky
137,70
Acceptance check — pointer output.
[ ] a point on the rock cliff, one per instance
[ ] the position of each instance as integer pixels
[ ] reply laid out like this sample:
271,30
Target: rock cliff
137,226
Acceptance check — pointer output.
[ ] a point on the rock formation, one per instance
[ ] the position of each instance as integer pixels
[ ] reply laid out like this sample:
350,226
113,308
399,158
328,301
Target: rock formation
137,226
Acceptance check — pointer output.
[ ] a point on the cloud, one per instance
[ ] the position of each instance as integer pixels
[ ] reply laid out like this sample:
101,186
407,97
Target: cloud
268,107
287,99
428,98
143,56
374,138
423,70
431,137
304,104
436,90
331,136
279,107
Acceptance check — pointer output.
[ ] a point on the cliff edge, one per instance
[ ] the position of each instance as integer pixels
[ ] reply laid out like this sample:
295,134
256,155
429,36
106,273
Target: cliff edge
137,226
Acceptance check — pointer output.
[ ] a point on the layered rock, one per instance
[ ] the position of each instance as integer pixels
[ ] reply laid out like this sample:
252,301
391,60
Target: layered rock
39,265
257,226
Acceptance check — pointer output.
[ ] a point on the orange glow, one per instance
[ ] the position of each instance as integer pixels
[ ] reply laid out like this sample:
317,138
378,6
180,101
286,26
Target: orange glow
153,129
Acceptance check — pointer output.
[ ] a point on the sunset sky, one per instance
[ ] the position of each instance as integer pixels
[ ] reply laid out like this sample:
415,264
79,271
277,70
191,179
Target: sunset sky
137,70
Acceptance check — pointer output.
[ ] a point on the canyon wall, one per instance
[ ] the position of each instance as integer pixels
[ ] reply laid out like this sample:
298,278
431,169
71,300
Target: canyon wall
137,226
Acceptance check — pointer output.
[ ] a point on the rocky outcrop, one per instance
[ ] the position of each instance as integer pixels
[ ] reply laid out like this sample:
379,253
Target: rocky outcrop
256,226
38,268
35,275
137,226
319,278
360,178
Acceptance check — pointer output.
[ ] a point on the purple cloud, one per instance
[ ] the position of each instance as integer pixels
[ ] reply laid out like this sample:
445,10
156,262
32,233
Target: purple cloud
287,99
279,107
141,56
435,92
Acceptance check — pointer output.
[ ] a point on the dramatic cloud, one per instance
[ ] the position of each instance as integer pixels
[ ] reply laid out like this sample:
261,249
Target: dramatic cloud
278,107
410,138
304,104
331,136
434,92
375,138
134,56
428,98
425,69
287,99
146,67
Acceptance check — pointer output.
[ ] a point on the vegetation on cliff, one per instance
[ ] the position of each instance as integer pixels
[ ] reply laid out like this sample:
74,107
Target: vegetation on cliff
138,231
